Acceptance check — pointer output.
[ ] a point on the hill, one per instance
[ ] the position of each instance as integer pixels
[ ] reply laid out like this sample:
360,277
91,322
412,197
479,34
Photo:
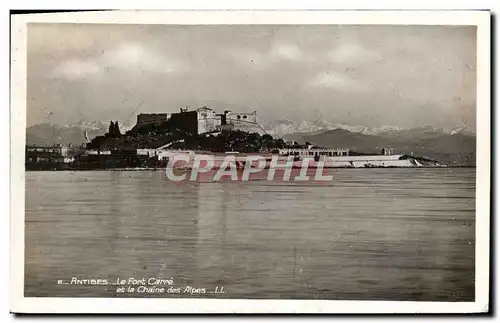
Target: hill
454,149
49,134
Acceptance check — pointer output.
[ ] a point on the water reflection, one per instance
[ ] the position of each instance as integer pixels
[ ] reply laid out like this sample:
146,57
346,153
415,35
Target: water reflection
377,234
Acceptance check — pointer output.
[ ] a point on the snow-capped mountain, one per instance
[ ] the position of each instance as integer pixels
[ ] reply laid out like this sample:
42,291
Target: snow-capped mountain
283,127
463,130
452,149
91,124
280,128
49,133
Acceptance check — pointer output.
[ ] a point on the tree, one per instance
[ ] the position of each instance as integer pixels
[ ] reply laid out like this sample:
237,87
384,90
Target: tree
114,129
111,127
253,141
117,129
267,141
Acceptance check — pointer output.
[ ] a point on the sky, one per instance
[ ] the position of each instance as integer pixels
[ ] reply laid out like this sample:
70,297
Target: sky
366,75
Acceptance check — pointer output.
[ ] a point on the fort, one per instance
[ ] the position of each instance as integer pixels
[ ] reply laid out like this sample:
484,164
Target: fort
199,121
147,118
157,138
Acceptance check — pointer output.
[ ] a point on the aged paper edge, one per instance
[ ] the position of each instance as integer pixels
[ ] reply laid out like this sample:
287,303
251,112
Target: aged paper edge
21,304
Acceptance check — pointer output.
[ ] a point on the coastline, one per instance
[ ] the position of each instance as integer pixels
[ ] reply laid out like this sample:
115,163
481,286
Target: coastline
156,169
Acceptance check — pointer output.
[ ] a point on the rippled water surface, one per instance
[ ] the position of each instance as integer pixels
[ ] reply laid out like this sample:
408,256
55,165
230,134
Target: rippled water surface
371,234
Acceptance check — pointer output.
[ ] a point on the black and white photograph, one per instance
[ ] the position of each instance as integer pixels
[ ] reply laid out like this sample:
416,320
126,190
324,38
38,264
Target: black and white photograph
331,161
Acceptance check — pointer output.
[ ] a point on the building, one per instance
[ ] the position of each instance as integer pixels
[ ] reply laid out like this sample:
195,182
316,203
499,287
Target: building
152,118
243,121
184,121
314,152
96,152
208,121
49,154
200,121
387,151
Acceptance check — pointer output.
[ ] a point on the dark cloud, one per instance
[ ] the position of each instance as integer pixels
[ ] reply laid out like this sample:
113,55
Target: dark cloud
358,75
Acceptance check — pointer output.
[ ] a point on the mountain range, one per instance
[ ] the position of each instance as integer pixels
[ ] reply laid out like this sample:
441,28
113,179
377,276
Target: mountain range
74,134
280,128
452,146
453,149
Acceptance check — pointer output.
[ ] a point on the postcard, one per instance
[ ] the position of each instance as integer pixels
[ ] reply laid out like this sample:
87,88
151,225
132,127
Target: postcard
250,162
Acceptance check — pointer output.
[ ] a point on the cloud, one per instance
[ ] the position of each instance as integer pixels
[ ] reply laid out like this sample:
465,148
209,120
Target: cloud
128,57
286,52
264,59
248,57
352,53
334,80
278,70
76,69
134,57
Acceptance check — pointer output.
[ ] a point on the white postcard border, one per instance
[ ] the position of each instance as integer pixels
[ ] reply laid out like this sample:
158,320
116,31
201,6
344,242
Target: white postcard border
21,304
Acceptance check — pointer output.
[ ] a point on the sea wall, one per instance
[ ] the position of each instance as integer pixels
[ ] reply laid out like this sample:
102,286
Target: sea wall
329,162
364,158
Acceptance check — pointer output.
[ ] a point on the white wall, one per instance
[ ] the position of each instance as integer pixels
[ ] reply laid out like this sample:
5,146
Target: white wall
207,121
330,162
364,158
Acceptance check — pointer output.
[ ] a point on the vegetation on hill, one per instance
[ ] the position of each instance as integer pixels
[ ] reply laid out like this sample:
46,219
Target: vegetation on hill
158,135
